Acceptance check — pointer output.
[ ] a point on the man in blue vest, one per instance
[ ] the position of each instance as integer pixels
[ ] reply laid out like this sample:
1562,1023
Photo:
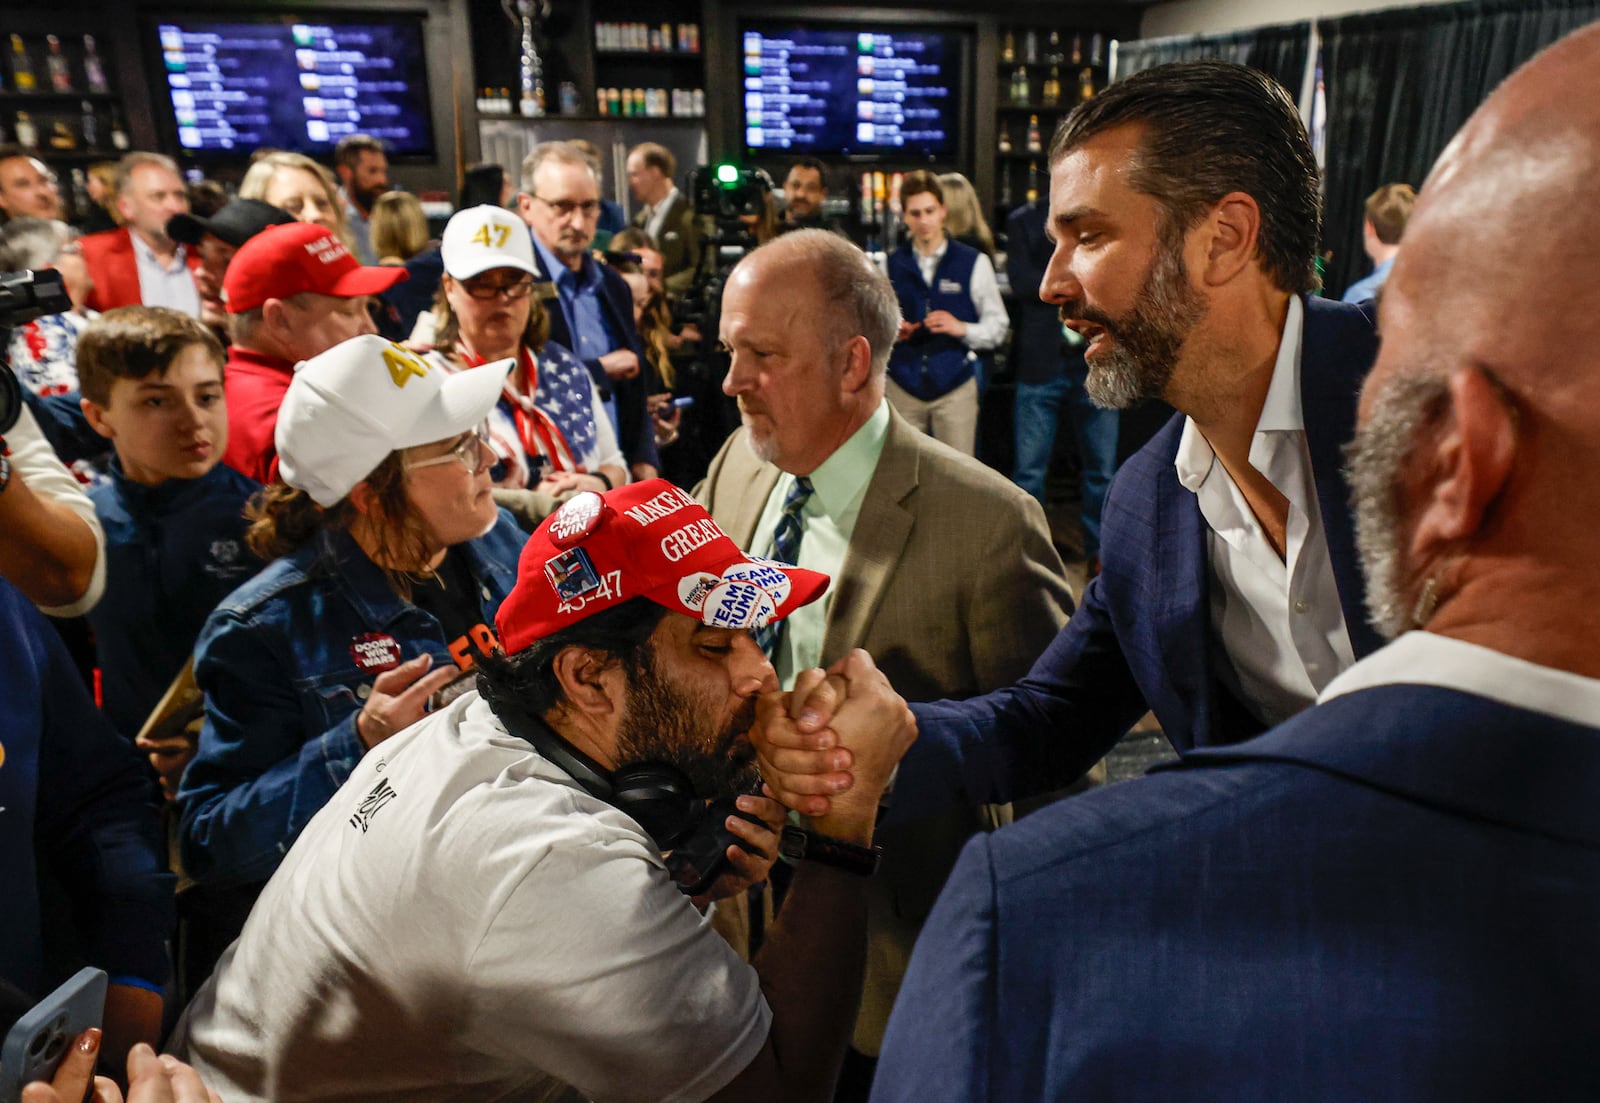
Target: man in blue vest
952,313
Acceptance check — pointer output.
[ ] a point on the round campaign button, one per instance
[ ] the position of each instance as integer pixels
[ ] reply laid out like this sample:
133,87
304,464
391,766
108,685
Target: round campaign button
764,574
737,604
576,519
375,652
693,588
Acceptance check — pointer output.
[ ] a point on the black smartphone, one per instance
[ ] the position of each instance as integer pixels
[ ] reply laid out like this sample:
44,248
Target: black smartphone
699,860
37,1042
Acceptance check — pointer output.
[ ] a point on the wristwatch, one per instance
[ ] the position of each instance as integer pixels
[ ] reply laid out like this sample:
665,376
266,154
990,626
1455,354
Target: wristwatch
799,844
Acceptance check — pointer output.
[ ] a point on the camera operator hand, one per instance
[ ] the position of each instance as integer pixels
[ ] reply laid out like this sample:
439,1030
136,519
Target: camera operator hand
751,859
620,364
50,540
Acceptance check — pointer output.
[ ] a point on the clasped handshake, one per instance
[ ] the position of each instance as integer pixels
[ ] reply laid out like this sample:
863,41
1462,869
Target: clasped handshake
828,748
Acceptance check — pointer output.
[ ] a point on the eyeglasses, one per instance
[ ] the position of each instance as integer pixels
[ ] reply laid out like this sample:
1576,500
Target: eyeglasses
484,289
566,208
469,451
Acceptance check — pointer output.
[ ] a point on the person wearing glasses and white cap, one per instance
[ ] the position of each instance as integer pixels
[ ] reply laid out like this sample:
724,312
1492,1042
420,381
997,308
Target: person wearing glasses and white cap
550,430
389,561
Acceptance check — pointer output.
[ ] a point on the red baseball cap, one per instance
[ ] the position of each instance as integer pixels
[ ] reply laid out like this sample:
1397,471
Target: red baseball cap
649,540
301,256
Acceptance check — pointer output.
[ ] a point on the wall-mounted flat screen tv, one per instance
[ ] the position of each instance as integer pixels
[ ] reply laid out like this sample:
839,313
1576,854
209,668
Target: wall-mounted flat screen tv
232,84
858,91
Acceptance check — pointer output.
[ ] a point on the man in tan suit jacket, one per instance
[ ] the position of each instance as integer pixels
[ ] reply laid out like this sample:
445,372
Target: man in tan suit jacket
948,577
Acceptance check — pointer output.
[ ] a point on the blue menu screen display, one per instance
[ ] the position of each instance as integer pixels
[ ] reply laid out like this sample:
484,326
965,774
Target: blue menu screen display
297,85
853,92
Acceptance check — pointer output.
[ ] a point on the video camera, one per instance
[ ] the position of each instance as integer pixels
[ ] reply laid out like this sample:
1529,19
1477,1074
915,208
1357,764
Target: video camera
724,193
24,296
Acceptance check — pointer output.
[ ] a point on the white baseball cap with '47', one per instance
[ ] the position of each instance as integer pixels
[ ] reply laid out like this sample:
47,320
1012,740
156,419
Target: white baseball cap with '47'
349,407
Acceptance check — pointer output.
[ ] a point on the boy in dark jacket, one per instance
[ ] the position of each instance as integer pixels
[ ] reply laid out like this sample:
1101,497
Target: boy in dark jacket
151,380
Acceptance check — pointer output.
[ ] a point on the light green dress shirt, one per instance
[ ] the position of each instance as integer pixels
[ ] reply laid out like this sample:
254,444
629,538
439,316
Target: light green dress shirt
827,521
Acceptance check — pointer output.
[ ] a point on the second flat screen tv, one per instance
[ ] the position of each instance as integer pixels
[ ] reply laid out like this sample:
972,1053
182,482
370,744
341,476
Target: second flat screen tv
862,92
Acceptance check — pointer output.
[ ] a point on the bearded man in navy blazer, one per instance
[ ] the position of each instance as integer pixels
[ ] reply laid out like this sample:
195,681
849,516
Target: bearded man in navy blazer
1395,894
1184,206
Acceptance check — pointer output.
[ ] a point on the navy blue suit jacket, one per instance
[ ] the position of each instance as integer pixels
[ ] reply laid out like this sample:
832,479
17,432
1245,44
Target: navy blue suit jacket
1141,637
1391,896
635,433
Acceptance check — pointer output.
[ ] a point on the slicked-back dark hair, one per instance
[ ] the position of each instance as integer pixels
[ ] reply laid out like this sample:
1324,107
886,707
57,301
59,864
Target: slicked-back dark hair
1210,128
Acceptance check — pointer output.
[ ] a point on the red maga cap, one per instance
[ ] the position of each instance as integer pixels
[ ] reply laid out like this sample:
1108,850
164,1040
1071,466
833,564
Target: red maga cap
649,540
299,256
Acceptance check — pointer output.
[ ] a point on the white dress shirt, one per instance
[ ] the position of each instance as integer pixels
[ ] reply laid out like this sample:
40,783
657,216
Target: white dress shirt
1277,628
656,217
993,321
165,285
1424,659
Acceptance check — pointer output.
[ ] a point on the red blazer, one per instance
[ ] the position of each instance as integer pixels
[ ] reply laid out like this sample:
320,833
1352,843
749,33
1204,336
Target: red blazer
109,255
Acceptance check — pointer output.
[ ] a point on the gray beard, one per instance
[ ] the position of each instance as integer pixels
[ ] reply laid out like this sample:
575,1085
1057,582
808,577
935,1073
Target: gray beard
1403,409
1148,340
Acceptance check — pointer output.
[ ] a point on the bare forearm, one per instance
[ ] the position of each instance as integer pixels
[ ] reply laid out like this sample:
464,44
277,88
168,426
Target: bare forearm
810,968
47,551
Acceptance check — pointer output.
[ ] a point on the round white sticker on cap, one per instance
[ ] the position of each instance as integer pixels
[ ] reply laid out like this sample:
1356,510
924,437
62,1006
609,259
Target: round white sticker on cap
737,604
763,574
693,588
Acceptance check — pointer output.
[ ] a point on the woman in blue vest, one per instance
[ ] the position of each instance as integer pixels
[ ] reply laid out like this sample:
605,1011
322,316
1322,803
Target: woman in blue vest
952,314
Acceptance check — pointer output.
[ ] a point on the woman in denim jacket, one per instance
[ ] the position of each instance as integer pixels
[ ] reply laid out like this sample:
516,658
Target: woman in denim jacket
391,560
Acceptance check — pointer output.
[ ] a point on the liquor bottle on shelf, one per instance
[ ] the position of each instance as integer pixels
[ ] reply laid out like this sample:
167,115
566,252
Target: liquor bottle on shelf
1008,49
119,136
613,101
22,78
699,103
1019,86
62,139
567,97
1097,49
1005,139
1052,87
90,126
1086,85
27,136
1034,143
1030,47
1052,52
94,72
1033,181
1077,50
1005,189
56,62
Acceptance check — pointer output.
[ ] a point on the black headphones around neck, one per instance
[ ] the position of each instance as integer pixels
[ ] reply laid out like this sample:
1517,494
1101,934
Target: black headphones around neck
657,795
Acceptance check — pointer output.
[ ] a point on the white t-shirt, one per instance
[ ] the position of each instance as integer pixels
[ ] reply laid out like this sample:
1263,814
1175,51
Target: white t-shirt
463,922
35,462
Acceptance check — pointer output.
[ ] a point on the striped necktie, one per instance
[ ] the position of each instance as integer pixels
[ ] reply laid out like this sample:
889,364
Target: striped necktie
785,549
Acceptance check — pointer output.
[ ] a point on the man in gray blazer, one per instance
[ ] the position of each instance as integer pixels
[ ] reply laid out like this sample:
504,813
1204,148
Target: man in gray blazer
944,570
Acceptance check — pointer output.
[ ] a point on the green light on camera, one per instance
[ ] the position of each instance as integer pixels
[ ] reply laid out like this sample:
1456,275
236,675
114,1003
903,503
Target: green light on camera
727,175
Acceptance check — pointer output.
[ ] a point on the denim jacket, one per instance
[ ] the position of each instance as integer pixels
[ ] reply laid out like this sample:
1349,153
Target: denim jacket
281,666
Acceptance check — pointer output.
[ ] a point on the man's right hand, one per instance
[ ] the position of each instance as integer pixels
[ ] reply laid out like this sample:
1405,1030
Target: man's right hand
620,364
829,751
906,329
400,698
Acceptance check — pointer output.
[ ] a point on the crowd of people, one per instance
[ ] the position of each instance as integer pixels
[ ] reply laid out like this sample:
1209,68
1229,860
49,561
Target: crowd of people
449,695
